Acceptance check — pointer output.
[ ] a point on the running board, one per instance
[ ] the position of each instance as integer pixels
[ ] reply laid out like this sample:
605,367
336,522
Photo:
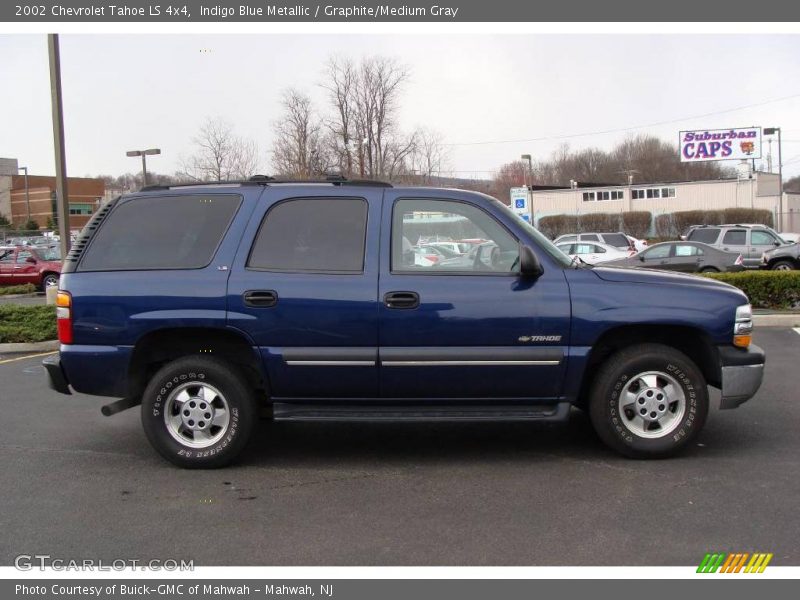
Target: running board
435,412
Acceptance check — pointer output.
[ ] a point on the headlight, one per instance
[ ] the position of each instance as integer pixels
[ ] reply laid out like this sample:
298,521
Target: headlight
743,326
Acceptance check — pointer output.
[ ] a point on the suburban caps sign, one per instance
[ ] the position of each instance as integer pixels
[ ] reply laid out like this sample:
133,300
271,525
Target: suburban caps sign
720,144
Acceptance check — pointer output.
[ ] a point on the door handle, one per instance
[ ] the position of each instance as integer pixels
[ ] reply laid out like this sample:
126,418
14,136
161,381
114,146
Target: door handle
401,300
260,298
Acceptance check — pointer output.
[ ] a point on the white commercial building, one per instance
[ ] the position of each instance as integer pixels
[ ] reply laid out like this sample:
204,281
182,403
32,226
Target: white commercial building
749,190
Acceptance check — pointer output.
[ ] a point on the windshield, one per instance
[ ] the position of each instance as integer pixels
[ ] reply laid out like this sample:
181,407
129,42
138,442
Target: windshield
540,239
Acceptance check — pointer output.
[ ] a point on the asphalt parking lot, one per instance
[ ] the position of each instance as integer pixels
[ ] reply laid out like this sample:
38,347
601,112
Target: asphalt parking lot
76,484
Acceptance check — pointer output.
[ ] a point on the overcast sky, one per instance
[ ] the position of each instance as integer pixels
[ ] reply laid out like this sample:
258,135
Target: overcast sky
126,92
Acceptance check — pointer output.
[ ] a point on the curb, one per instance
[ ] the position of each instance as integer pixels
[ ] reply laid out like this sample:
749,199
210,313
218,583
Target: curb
47,346
788,320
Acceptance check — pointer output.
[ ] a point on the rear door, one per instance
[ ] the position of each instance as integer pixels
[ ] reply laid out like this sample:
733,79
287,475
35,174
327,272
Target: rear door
464,330
735,240
687,258
304,288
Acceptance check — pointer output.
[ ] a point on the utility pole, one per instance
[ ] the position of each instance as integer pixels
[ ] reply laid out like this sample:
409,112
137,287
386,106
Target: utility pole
773,131
62,201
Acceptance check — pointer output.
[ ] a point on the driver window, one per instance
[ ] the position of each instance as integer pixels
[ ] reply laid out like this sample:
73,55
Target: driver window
657,252
418,224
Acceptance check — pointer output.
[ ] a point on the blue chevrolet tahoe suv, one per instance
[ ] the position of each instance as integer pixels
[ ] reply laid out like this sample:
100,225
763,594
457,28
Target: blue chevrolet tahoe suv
211,304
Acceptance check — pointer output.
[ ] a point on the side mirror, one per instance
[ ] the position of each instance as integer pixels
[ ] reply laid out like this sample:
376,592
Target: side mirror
31,260
641,258
777,243
529,265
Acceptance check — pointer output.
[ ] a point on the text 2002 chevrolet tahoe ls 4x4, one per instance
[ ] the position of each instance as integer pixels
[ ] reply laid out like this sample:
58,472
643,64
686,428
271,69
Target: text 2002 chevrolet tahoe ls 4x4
207,304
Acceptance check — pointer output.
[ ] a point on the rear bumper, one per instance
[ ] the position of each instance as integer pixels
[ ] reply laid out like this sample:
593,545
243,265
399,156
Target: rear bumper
55,374
742,373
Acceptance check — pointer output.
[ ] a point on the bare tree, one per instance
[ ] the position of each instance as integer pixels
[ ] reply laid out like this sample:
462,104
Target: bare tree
364,132
220,155
340,83
428,158
299,150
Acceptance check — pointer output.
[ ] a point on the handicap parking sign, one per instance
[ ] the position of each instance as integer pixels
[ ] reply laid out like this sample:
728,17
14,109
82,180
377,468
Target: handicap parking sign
519,202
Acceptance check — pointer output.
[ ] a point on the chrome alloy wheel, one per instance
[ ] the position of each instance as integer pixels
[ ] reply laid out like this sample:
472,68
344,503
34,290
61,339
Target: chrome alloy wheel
652,404
196,415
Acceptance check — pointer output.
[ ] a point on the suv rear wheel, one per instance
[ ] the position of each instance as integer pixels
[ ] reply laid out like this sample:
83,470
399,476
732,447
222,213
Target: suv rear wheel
648,401
198,412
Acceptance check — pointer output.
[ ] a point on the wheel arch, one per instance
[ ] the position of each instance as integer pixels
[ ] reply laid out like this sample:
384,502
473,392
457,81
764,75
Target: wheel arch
691,341
159,347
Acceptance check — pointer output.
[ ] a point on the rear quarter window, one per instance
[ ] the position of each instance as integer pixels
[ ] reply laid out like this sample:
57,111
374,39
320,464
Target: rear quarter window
617,240
161,232
706,236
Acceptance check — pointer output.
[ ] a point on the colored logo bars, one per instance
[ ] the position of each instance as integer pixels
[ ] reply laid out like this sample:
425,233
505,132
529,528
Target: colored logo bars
734,562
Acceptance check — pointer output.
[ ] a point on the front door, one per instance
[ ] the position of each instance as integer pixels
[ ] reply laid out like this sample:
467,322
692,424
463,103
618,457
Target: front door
465,327
760,242
304,288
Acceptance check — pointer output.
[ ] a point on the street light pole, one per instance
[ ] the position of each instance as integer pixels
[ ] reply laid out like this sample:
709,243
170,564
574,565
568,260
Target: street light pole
529,184
27,193
773,131
144,154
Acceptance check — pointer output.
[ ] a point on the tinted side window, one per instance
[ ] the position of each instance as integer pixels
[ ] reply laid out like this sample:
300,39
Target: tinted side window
161,232
23,255
617,240
312,235
735,237
707,236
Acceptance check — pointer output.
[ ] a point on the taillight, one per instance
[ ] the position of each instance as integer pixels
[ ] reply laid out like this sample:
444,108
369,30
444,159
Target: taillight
64,317
434,258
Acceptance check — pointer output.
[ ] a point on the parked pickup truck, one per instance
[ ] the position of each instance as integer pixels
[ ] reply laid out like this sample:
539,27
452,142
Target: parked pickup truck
212,304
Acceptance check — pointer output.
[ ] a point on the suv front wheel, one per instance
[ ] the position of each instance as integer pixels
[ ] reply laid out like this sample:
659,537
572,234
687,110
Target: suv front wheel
648,401
198,412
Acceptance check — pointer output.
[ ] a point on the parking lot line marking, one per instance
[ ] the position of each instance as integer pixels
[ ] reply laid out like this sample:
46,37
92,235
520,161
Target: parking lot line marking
10,360
796,329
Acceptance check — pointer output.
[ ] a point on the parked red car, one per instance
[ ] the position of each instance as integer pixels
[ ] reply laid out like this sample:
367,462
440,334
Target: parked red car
28,264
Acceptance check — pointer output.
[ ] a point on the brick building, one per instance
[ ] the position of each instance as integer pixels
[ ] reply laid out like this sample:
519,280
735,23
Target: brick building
84,195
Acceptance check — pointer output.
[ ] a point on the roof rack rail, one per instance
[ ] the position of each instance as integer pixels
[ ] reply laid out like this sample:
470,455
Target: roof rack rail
268,180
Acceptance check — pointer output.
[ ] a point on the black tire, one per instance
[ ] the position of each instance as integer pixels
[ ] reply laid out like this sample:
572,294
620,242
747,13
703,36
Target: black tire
782,265
224,386
709,270
49,279
621,373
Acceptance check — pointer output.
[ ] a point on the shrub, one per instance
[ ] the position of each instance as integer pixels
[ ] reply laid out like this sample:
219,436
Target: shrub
747,215
637,223
557,225
9,290
598,222
27,323
665,227
766,289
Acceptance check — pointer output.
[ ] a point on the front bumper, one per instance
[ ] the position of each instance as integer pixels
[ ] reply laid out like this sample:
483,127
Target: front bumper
55,374
742,372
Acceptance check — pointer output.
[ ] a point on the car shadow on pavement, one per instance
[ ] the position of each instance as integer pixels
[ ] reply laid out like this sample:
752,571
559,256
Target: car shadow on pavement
360,443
